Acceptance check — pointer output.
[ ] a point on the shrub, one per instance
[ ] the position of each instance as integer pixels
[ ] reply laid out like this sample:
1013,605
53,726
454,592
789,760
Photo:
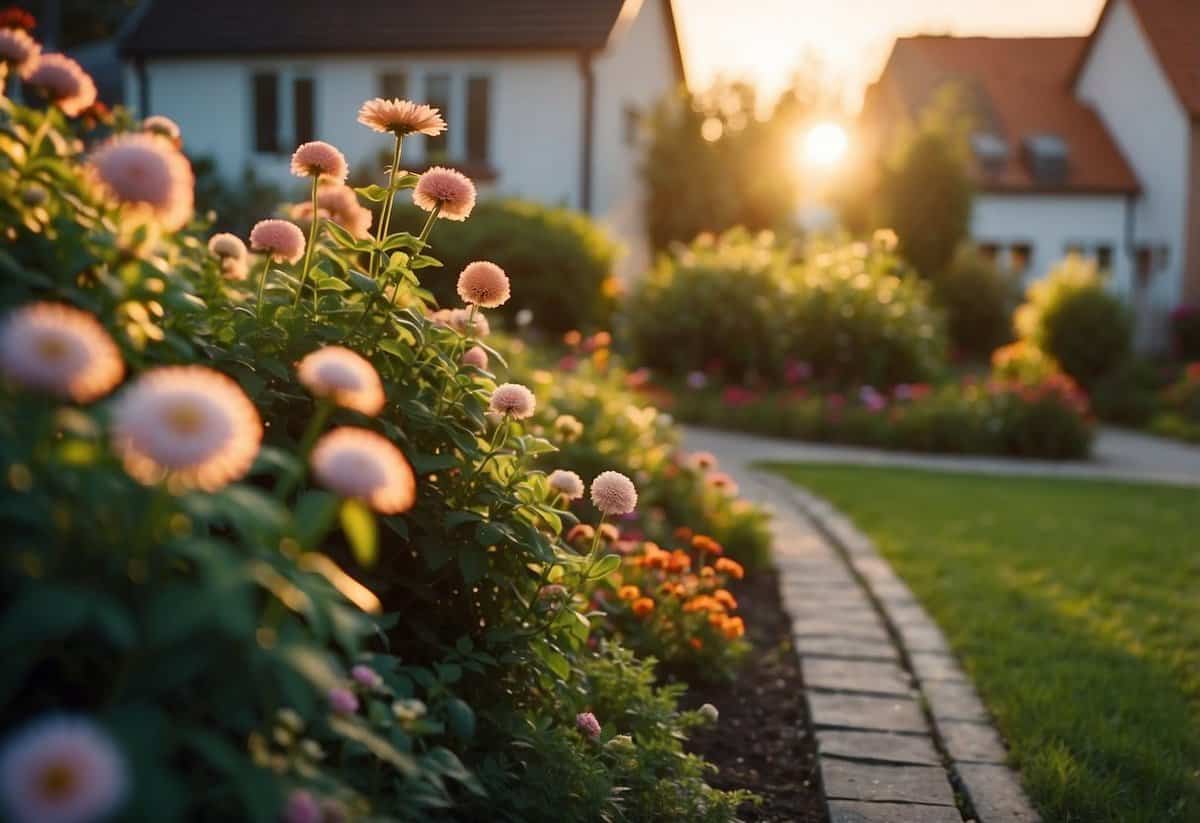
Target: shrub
1128,394
1071,317
328,617
979,300
739,309
560,260
1180,413
1185,332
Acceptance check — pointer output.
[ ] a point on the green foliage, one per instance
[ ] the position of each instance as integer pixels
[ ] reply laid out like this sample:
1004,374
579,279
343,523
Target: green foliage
925,189
208,629
1179,416
1072,603
741,309
979,300
1128,394
1185,332
1072,317
561,261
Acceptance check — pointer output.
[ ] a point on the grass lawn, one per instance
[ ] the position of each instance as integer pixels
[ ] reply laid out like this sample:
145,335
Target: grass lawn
1074,605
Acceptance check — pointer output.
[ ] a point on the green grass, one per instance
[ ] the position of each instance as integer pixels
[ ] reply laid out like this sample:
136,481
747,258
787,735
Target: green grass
1074,605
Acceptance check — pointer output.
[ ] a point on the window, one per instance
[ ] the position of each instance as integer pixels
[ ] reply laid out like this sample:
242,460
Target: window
479,104
437,94
1104,257
393,84
266,112
1020,257
631,124
989,251
302,110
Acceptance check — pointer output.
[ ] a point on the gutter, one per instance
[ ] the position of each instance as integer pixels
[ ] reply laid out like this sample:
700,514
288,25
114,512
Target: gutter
587,149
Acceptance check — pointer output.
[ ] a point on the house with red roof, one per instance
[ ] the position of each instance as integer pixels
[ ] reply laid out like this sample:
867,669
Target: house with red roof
1087,145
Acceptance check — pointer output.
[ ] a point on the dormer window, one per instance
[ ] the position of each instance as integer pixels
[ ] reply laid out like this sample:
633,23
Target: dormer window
991,150
1046,157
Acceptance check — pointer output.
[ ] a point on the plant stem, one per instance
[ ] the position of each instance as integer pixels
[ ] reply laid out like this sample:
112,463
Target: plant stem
385,212
591,555
289,481
262,284
312,241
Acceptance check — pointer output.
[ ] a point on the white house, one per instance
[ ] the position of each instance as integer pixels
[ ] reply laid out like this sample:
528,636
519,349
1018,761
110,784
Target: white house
1087,144
543,97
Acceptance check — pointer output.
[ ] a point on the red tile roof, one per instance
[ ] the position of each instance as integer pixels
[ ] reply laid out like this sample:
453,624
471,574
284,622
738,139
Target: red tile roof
1016,88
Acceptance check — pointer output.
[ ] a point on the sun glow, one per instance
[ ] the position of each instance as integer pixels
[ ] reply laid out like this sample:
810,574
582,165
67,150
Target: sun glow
824,145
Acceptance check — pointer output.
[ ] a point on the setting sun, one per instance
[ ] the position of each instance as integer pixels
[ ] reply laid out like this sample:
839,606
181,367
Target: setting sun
824,145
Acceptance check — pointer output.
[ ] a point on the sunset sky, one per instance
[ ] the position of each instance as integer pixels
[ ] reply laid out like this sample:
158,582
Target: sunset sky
763,40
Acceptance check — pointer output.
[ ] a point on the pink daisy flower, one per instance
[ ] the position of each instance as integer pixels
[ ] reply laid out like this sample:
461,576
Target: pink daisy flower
345,377
143,172
19,51
401,117
484,284
63,82
366,466
320,159
613,493
279,239
61,350
61,769
513,400
450,189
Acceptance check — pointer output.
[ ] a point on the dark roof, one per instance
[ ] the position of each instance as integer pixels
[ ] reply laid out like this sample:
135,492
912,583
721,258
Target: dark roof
195,27
1015,89
1173,29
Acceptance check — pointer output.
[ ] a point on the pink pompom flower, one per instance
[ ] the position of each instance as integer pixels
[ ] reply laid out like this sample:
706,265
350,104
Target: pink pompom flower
484,284
477,357
366,466
513,400
18,51
566,483
366,677
63,82
61,769
342,701
61,350
345,377
321,160
401,117
143,172
280,239
614,494
448,189
225,245
588,725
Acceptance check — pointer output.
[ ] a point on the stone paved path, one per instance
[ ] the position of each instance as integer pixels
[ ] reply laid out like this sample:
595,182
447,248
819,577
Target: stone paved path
1117,455
902,736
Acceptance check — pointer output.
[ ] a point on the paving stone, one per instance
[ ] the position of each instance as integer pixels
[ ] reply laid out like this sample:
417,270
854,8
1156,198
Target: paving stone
897,748
972,742
847,647
846,780
923,639
857,629
856,676
881,714
952,700
853,811
996,794
934,666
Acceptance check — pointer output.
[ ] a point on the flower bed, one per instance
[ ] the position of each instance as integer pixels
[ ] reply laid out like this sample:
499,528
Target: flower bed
1179,417
279,545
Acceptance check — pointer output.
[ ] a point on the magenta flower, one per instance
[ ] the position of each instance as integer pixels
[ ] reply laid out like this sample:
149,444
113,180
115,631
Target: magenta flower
588,725
342,701
366,676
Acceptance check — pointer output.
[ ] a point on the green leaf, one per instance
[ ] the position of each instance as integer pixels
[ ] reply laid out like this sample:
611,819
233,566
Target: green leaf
315,511
460,718
358,523
364,283
473,562
373,193
457,518
607,565
407,180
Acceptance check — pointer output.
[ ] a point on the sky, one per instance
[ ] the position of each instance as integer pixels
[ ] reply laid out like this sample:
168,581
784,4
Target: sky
763,40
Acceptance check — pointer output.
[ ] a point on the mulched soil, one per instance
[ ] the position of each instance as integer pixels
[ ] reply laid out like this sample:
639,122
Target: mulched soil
762,741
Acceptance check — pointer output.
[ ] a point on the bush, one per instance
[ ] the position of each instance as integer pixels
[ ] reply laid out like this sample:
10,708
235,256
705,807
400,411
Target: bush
1185,332
1128,394
739,309
1071,317
246,626
979,300
1179,416
561,261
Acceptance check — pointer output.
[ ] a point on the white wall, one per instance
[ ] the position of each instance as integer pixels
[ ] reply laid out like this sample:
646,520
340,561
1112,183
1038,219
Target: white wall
1125,83
535,98
635,72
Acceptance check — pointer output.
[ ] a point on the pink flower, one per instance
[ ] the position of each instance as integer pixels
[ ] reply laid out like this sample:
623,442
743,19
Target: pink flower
736,396
59,349
320,159
278,238
587,724
63,82
302,807
163,127
61,769
457,319
343,701
364,465
484,284
703,460
19,51
513,400
226,245
366,676
477,357
566,483
452,190
343,376
797,371
614,493
401,117
144,172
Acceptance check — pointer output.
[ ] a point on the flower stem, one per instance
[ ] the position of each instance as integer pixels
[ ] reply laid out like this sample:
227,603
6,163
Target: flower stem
262,284
385,212
591,555
288,482
312,241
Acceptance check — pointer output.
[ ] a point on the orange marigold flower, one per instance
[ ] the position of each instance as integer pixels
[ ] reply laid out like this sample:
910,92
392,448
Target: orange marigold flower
733,628
725,599
643,606
628,593
655,558
707,572
696,643
730,567
705,544
683,533
717,620
680,561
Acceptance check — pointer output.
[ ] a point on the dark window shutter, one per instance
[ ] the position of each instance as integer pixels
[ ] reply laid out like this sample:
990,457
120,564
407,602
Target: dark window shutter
393,85
303,106
479,117
437,94
266,112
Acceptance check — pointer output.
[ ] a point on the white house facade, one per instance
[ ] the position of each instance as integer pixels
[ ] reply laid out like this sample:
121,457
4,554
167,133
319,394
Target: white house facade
1081,145
543,98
